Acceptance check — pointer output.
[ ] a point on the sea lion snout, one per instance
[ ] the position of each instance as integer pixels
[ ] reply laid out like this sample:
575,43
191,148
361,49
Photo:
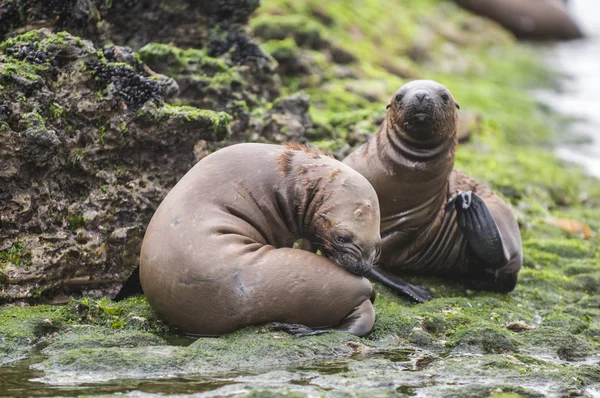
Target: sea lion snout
423,110
421,107
350,257
420,95
365,263
358,266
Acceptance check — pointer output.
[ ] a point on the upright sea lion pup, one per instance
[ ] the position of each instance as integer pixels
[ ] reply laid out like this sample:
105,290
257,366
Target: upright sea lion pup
218,256
434,220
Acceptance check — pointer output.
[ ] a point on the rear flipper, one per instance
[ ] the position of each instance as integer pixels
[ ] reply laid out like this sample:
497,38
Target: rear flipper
131,287
479,228
359,322
494,281
296,329
417,293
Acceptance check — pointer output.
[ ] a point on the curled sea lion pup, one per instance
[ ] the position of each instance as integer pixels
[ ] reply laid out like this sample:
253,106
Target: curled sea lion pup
434,220
218,256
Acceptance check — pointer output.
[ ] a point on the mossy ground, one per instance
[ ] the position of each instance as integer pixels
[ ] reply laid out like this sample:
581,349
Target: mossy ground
542,339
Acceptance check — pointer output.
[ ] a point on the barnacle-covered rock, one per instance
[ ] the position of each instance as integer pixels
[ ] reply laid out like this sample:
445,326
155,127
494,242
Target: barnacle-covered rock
89,150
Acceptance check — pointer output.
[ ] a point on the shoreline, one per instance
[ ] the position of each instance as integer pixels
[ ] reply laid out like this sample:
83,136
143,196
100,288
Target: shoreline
543,339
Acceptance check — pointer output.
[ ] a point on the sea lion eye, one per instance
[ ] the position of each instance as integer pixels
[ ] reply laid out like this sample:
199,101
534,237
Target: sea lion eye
445,97
342,240
399,97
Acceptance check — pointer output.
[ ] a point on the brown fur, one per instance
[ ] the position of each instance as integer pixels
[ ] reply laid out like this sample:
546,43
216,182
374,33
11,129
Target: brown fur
411,169
285,161
230,261
296,146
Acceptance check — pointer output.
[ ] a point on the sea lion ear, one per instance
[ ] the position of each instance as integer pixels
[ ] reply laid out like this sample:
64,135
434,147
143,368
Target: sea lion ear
457,106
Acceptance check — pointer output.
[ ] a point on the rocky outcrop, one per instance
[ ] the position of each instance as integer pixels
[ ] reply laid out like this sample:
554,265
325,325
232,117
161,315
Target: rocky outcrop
203,44
95,134
89,150
133,22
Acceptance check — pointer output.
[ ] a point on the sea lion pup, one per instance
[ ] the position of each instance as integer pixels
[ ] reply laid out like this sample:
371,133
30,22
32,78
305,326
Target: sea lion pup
434,220
528,19
218,256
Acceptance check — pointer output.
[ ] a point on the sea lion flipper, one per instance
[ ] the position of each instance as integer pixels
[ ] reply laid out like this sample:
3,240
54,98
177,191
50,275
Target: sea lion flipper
417,293
480,229
495,281
131,287
359,322
296,329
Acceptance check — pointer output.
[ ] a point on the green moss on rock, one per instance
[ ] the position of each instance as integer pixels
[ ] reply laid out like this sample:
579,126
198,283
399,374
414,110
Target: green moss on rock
172,60
16,254
305,31
484,338
214,125
22,328
86,336
559,343
282,50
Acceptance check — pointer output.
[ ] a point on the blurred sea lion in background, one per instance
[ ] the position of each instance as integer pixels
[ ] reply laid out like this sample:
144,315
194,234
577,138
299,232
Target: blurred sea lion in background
434,220
528,19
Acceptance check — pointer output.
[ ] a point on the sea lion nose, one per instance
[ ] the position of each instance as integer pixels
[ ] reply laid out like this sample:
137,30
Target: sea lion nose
364,268
421,95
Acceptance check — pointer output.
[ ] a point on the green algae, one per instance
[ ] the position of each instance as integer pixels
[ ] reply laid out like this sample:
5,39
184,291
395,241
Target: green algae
22,328
302,28
486,339
43,38
169,59
84,337
282,50
417,51
132,353
216,123
16,254
134,313
12,71
76,221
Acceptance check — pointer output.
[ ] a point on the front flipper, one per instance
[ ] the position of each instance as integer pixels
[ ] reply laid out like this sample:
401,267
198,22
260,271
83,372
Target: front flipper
296,329
417,293
479,228
359,322
131,287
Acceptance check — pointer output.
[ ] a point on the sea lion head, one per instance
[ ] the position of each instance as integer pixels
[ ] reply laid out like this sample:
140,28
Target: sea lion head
424,111
349,233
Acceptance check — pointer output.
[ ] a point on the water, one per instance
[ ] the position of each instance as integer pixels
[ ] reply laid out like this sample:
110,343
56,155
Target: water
580,94
19,380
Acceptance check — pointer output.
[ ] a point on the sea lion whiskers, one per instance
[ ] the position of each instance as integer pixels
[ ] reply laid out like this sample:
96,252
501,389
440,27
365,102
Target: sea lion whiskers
377,254
329,249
